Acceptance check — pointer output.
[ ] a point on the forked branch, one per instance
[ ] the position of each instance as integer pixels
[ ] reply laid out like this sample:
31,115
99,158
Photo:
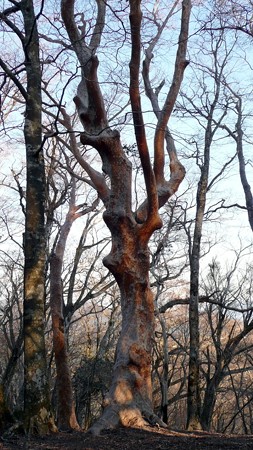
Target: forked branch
139,127
165,189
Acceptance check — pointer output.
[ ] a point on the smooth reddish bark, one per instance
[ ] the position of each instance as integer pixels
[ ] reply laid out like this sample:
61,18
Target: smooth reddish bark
130,398
66,417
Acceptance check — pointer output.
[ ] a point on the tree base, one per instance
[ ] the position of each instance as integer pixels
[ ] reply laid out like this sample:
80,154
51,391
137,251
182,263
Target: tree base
194,425
69,423
130,416
41,424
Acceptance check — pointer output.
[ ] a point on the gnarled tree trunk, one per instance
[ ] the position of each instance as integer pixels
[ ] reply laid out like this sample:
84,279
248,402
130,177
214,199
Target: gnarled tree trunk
130,397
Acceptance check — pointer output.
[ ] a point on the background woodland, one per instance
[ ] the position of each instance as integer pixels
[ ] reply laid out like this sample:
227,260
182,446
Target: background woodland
161,120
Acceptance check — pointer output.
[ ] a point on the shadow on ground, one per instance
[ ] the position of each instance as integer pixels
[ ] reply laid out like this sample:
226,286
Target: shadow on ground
129,439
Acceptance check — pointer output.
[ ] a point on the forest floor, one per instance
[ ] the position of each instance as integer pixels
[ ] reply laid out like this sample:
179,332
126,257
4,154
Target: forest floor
130,439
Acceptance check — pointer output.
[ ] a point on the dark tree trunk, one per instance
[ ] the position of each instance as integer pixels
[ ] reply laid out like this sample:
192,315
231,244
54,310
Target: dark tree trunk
165,375
242,164
209,403
37,411
193,397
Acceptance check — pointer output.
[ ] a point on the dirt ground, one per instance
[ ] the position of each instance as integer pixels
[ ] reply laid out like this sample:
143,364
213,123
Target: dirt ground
130,439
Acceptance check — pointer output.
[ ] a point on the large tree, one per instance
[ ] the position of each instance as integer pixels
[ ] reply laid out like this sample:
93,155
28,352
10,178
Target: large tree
130,395
38,417
37,411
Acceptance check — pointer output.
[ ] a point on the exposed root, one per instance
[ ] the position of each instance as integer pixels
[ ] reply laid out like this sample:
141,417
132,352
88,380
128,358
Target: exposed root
153,419
109,420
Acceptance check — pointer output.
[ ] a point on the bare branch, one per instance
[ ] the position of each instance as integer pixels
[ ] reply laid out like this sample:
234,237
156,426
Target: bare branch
139,128
180,65
202,299
97,178
100,23
13,78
